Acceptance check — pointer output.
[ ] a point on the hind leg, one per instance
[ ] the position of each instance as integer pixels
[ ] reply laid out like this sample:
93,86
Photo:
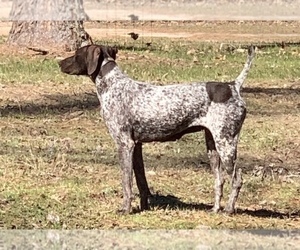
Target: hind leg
215,165
236,183
228,150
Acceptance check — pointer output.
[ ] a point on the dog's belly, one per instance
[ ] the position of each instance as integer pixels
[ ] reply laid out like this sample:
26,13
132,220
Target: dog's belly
161,132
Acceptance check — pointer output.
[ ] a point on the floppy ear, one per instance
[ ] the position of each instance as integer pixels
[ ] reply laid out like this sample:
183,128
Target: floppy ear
92,59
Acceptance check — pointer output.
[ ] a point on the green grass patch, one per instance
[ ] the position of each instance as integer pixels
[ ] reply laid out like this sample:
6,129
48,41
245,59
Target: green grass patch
59,167
34,70
175,61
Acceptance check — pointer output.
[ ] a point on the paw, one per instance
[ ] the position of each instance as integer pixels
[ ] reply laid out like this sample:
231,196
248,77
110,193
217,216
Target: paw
123,211
215,210
144,206
229,210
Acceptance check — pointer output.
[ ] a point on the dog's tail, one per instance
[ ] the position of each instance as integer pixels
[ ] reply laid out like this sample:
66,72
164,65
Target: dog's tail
242,76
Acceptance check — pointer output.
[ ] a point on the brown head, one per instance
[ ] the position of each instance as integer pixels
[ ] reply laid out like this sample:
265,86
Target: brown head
87,60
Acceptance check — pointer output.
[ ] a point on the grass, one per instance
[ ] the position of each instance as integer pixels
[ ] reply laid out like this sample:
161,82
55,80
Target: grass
58,166
178,61
170,61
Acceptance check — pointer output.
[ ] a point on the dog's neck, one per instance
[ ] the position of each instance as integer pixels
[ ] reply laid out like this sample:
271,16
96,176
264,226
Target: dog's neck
107,66
108,69
104,68
108,76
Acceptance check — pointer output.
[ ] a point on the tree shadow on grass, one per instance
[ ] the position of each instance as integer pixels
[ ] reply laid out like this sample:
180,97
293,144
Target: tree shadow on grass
52,104
272,91
172,202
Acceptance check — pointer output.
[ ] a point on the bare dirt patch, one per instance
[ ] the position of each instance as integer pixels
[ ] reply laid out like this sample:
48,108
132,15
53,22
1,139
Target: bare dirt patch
214,31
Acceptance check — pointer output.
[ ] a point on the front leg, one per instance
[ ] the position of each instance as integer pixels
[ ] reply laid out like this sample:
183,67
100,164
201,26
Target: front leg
141,181
126,162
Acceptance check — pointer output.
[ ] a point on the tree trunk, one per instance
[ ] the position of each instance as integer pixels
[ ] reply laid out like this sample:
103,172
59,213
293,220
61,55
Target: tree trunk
48,23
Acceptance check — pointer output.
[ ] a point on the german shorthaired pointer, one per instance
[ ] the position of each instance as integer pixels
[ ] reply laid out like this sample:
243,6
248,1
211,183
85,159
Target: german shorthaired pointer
137,112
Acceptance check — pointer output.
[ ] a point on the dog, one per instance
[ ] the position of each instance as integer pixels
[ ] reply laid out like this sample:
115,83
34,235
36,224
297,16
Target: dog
137,112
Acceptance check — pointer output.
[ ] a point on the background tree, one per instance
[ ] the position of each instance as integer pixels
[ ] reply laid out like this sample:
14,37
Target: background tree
48,23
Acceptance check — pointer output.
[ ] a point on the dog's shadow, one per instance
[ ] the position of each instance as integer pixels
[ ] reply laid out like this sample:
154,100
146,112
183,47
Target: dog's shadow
171,202
158,201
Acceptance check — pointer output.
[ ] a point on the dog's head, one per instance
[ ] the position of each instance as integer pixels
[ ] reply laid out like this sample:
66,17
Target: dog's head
87,60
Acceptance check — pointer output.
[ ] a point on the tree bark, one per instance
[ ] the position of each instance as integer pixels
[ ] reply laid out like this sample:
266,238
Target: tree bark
48,23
